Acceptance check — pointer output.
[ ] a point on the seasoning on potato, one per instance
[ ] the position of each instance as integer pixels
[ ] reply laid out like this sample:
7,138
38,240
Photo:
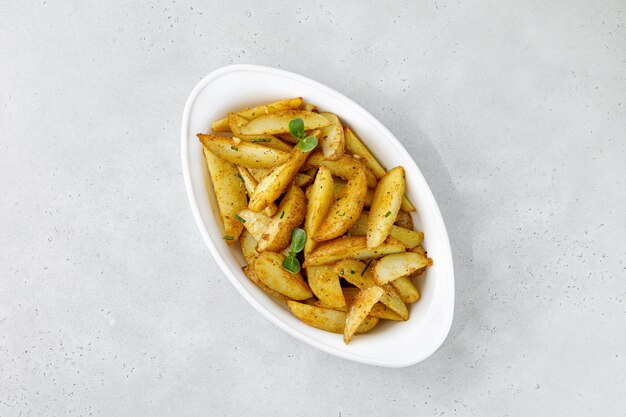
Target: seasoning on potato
322,225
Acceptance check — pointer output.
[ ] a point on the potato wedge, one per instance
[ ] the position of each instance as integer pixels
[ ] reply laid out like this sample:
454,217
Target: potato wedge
345,211
363,278
385,206
255,223
332,141
409,238
320,200
278,122
269,268
339,185
250,113
250,183
324,283
379,310
236,122
290,215
286,137
230,193
354,146
243,153
271,187
392,267
359,310
351,247
308,107
419,249
252,276
248,246
327,319
404,220
406,289
344,167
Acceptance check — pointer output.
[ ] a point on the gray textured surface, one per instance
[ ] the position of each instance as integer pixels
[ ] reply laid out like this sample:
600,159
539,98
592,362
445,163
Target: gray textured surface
111,305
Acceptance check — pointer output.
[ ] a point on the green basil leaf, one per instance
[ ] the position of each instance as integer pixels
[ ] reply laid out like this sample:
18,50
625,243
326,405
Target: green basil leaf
296,128
291,264
298,239
308,144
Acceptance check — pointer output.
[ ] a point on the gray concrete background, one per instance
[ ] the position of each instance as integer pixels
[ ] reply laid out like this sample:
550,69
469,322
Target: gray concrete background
111,305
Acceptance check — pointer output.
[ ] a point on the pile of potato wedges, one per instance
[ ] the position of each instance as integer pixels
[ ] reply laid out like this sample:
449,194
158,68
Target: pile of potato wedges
361,251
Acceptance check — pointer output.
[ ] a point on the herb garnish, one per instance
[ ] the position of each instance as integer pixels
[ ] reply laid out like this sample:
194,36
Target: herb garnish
298,239
305,143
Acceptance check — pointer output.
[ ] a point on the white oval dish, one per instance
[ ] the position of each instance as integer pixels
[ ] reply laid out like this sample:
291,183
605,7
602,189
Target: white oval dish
391,344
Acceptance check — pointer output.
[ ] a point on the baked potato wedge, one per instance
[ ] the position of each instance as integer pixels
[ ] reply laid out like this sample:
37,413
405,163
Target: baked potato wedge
385,206
391,267
324,283
379,310
351,247
327,319
406,289
290,215
339,185
255,223
344,167
359,310
332,141
236,122
346,210
354,146
363,278
250,113
230,194
278,122
243,153
250,183
277,181
269,268
308,107
409,238
320,199
248,246
252,276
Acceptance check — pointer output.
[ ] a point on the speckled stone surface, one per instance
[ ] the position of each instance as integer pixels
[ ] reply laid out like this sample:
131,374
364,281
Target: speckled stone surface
110,304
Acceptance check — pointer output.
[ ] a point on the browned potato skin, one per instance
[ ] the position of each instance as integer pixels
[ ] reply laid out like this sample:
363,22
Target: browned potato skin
392,267
351,247
404,220
324,283
245,154
406,289
278,122
269,268
332,141
345,211
344,167
385,206
326,318
320,200
364,278
229,191
250,113
252,276
271,187
290,214
359,309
